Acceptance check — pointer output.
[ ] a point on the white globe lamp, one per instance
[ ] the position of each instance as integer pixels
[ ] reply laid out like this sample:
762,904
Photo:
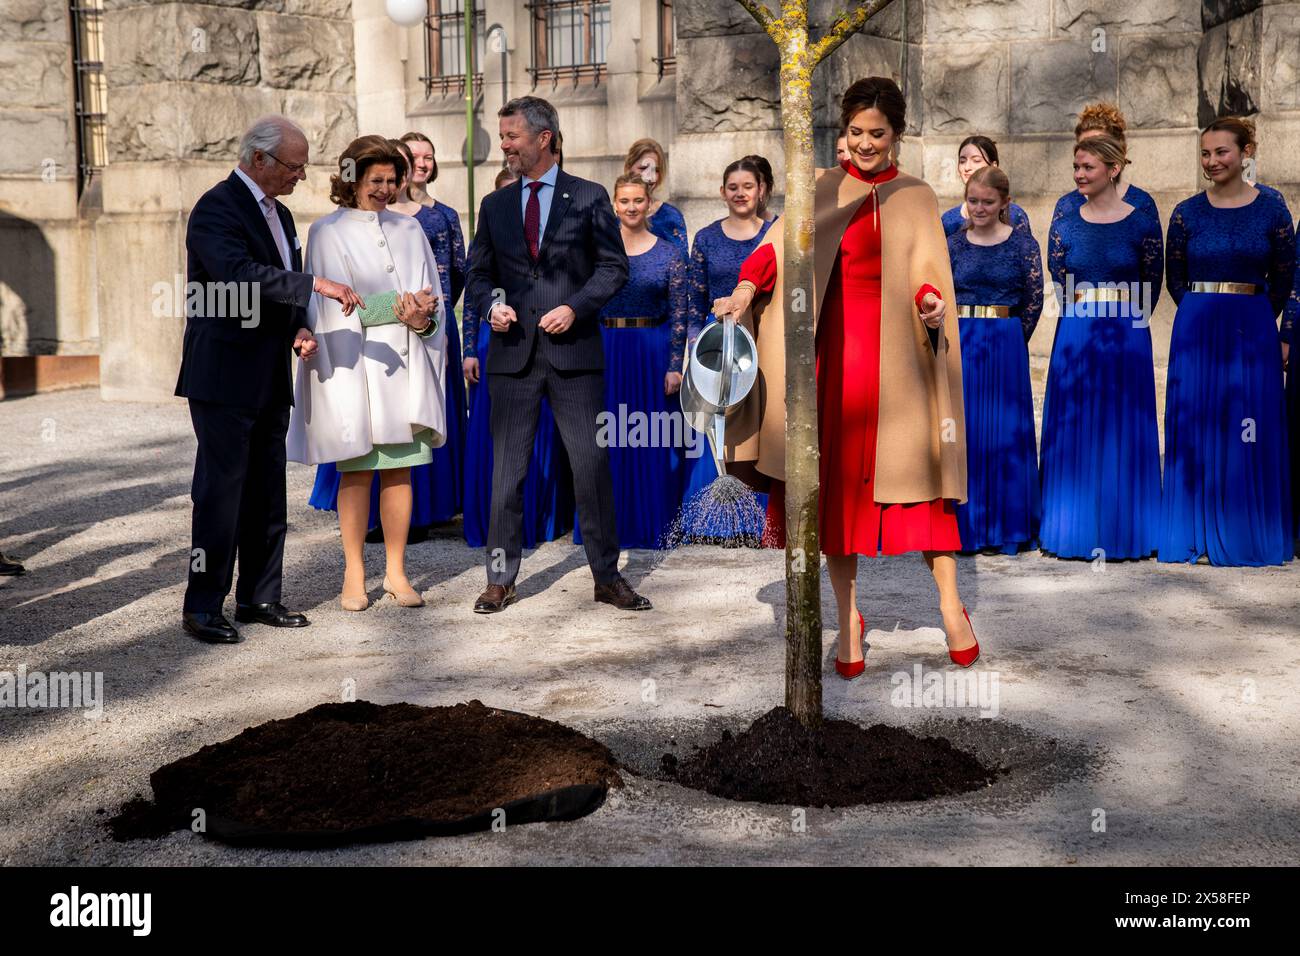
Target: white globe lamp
406,13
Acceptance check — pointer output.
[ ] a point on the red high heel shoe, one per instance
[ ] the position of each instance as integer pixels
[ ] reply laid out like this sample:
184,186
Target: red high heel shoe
968,655
850,671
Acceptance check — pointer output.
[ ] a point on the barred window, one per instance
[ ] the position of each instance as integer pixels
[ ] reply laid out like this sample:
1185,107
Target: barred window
91,90
569,39
667,58
444,51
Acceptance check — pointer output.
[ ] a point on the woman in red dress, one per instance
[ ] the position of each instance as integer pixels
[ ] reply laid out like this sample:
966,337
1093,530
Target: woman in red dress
891,433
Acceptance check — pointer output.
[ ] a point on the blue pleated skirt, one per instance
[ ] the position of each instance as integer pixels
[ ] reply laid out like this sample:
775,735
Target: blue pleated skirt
548,489
436,488
1101,445
1293,437
1002,507
645,434
1227,492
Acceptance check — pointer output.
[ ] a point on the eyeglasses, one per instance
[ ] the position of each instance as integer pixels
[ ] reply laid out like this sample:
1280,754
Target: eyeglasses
294,168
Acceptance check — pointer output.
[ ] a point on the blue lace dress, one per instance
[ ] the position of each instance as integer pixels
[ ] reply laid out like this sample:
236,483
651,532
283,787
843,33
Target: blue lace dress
669,223
1139,199
548,488
436,488
1002,507
1227,491
642,427
954,221
715,270
1100,443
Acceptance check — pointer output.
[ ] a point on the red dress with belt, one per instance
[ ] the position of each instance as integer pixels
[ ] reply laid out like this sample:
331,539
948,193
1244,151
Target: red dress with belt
848,396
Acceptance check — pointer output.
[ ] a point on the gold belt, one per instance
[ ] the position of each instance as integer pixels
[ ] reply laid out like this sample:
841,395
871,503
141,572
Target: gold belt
637,322
1236,288
984,311
1101,295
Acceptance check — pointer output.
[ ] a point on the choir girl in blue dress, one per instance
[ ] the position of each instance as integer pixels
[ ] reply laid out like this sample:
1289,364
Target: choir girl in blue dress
1291,319
548,489
1105,119
997,274
1288,335
1231,268
977,152
436,488
644,332
647,159
719,250
1100,444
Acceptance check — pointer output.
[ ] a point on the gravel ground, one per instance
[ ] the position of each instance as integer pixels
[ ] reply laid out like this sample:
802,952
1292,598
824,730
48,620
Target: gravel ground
1145,713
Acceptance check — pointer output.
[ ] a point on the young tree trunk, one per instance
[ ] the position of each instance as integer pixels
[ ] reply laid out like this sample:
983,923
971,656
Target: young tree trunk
803,620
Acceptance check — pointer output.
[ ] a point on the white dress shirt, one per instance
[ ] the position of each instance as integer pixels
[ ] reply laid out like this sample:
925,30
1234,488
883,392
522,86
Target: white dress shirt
267,205
544,197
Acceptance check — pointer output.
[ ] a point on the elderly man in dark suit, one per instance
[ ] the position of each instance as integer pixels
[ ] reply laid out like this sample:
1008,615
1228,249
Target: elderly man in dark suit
546,257
246,307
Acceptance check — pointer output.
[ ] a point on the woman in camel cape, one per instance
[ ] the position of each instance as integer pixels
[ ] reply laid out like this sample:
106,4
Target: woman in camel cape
889,401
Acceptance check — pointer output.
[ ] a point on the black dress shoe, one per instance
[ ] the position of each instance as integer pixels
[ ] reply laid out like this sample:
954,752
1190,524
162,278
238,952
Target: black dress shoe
620,594
497,597
10,569
213,628
275,615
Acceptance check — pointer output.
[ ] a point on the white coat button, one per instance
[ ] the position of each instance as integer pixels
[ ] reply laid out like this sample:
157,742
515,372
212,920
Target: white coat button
403,349
381,242
390,268
372,217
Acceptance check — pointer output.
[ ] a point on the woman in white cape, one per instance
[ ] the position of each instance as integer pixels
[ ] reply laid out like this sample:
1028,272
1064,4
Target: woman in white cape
371,397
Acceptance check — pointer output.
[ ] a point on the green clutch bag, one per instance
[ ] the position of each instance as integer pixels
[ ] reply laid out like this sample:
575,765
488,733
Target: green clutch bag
379,309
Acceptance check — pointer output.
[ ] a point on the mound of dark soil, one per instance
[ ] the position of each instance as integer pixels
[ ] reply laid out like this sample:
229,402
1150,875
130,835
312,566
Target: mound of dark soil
360,772
840,764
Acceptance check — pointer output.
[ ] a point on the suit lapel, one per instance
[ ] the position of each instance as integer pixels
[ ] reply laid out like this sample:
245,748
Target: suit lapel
559,206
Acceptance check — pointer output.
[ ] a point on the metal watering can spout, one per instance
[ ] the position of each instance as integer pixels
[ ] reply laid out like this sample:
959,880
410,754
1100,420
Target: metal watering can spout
722,369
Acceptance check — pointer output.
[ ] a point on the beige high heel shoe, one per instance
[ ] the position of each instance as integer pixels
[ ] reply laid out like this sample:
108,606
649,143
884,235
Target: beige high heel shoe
407,598
354,603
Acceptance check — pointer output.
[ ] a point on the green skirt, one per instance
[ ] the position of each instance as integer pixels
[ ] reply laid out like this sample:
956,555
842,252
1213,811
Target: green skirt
418,451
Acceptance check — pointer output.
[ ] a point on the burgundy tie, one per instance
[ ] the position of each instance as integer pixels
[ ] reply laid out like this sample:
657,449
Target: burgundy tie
533,219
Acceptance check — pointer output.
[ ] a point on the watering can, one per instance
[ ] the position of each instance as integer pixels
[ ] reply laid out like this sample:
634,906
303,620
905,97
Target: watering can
722,369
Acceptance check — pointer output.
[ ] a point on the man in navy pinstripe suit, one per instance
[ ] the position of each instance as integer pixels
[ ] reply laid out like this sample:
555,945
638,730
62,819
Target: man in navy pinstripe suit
546,257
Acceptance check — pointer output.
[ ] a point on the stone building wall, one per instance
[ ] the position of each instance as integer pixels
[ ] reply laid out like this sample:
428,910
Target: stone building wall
46,296
599,121
184,81
1018,71
185,78
728,100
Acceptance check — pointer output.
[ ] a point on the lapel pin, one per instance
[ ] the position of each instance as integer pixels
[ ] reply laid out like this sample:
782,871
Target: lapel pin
564,195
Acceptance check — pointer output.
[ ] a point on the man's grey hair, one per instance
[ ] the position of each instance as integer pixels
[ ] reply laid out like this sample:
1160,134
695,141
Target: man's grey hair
266,134
538,114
